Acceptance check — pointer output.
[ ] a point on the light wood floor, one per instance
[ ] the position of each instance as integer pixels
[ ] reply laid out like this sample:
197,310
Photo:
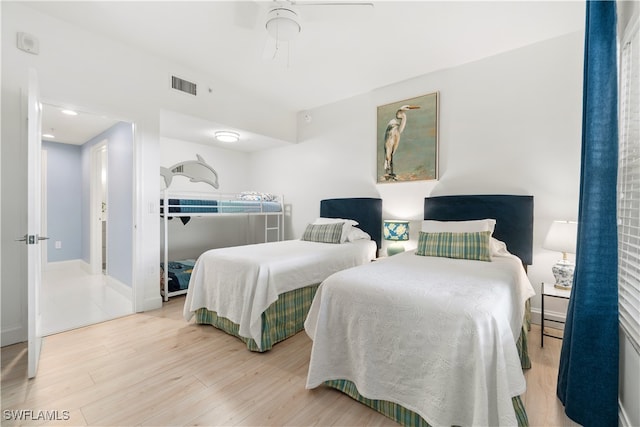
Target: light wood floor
155,369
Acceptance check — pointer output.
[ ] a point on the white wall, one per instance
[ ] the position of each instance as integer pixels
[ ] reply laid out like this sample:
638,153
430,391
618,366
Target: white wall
86,71
230,165
508,124
199,234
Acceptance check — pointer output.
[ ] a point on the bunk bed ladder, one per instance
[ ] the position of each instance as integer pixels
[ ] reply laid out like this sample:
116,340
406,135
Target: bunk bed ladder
278,227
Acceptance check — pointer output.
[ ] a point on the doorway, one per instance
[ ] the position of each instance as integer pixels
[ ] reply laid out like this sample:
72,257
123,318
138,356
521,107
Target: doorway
98,211
88,271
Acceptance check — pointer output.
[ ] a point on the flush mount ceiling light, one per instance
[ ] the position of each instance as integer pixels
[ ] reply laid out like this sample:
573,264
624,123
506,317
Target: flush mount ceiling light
69,112
227,136
282,24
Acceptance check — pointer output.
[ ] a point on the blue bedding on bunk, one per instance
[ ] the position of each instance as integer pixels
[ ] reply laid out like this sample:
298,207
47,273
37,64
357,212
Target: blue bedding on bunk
179,274
235,206
220,206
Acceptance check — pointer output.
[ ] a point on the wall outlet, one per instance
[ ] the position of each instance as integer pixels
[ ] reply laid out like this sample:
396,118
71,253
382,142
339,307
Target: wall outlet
58,244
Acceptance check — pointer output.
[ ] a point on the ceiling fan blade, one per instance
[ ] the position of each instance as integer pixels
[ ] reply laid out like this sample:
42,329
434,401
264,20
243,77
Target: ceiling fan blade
332,3
337,11
246,14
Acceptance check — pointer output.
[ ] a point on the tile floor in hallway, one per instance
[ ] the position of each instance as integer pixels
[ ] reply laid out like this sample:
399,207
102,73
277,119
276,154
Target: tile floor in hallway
72,298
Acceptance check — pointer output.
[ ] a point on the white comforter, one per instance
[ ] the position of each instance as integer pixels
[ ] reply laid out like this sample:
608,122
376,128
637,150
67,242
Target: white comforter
435,335
241,282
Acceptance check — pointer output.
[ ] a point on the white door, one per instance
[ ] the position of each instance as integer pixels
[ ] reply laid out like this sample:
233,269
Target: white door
34,221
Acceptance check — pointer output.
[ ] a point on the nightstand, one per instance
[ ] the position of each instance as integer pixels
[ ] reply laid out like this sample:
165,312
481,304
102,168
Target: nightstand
550,291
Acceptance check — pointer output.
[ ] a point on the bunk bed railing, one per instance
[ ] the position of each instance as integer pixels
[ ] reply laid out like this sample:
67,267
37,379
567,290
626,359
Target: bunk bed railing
195,204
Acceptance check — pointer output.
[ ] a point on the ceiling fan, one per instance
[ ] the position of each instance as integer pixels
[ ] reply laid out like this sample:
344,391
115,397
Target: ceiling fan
283,21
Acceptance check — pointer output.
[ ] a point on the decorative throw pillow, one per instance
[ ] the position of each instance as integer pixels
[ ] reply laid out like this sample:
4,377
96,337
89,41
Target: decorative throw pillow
347,226
473,246
323,233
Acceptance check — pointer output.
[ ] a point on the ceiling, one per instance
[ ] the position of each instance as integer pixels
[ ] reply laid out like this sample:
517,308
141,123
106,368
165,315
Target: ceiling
340,52
72,129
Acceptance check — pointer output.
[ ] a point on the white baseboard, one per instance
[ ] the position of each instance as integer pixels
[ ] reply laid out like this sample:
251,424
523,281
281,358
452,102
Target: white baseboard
12,335
72,263
121,288
152,303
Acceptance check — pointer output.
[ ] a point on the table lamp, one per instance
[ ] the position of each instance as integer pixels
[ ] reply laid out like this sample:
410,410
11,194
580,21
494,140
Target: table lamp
396,231
562,237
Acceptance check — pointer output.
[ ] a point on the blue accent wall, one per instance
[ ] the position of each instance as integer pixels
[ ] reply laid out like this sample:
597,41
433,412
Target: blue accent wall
64,201
119,200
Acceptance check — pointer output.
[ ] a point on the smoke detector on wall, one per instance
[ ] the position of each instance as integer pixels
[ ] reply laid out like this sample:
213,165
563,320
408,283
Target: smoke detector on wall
28,43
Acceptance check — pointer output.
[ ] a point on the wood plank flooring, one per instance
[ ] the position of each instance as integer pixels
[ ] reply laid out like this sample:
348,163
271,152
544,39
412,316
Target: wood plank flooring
154,369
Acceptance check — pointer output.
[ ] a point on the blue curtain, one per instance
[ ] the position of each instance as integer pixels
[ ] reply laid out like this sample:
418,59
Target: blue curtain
588,373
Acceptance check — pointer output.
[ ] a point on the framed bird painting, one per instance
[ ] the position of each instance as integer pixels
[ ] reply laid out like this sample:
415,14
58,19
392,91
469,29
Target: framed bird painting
407,141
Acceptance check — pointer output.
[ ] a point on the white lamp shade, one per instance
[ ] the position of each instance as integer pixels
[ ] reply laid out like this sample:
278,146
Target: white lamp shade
562,237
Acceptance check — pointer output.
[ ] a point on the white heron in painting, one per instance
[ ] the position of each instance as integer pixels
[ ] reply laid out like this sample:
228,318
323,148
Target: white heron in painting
392,137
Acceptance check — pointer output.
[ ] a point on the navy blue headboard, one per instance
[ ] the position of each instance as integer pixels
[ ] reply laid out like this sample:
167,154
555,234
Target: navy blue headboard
366,210
513,215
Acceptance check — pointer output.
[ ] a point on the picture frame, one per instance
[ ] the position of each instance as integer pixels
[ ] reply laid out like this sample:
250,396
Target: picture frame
407,139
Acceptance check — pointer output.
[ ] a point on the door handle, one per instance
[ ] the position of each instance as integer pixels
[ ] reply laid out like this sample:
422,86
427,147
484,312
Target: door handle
31,239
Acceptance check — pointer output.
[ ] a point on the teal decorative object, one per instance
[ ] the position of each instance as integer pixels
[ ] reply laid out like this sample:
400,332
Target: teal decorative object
396,231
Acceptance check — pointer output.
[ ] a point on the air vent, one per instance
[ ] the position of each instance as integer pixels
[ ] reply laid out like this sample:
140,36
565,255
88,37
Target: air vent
183,85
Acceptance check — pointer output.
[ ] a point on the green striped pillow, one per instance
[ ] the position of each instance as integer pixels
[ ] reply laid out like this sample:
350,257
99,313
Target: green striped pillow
323,233
474,246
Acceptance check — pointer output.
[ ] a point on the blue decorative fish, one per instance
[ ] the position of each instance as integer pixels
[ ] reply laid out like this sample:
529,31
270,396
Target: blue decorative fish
196,170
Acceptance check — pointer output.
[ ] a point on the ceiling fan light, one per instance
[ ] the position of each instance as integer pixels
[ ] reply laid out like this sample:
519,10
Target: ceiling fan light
282,24
227,136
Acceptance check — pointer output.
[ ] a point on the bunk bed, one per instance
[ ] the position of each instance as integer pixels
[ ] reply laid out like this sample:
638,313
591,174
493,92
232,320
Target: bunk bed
183,205
437,339
261,293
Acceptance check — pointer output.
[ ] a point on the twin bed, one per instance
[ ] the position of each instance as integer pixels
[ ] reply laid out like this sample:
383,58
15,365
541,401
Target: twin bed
261,293
437,339
431,340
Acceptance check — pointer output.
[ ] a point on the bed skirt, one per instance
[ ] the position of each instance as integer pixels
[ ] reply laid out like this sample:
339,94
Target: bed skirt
407,417
283,319
403,415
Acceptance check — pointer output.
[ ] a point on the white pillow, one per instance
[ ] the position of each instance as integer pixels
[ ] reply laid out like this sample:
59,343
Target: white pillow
471,226
357,234
498,247
346,228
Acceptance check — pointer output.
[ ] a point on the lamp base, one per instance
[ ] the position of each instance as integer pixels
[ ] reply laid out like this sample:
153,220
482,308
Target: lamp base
563,272
395,249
